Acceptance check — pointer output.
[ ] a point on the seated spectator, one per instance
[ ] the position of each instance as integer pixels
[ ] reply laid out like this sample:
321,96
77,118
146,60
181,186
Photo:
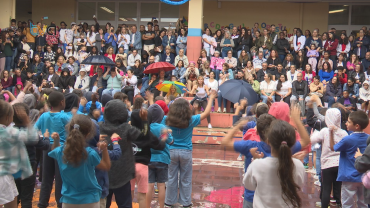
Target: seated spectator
72,66
202,58
66,81
243,59
255,84
324,59
273,61
6,80
227,44
257,62
179,72
52,78
300,92
59,65
24,64
181,41
138,70
83,81
110,54
288,62
97,82
49,54
37,65
308,74
121,55
45,85
216,64
249,70
70,51
31,77
160,79
132,58
114,80
129,84
300,60
333,91
19,77
227,71
316,87
266,43
240,76
261,73
168,56
172,92
82,54
352,88
358,75
283,89
331,45
326,73
205,70
348,102
181,56
191,75
18,88
366,62
268,89
351,64
341,75
364,96
121,68
341,63
292,74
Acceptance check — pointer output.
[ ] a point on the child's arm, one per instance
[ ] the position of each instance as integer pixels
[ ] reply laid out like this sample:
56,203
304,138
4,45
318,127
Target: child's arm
105,161
44,143
362,163
56,139
207,111
227,141
295,115
331,133
116,153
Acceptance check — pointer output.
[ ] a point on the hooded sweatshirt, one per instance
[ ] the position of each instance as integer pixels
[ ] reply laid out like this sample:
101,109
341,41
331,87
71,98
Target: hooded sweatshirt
65,81
82,83
115,117
143,153
156,116
365,94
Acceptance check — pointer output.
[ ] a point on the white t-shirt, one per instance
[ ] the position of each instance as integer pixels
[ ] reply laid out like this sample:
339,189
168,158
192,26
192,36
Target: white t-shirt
213,85
262,177
206,45
92,38
123,42
268,88
62,32
285,88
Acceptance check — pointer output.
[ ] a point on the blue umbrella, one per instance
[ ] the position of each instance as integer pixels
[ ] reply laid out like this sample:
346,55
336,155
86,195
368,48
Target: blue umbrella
234,90
98,60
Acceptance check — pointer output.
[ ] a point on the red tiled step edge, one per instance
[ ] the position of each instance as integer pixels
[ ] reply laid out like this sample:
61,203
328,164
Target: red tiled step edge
216,104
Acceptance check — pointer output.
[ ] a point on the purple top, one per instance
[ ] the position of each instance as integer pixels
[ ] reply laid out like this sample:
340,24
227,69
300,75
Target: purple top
347,101
312,53
7,83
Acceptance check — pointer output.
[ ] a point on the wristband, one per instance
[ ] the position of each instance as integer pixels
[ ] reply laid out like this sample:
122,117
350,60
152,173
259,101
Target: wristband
116,139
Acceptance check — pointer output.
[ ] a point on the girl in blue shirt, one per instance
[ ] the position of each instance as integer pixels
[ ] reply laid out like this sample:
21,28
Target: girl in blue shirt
326,73
77,164
181,122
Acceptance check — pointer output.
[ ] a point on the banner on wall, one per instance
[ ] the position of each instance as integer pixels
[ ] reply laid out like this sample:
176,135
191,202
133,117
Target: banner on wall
279,27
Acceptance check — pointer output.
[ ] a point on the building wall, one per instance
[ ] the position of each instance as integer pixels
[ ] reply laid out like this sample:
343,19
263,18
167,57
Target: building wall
57,11
23,10
245,14
7,12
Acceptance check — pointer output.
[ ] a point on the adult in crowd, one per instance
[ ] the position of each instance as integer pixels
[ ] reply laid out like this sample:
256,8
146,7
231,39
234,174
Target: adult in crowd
179,72
268,89
283,46
299,92
181,42
123,40
216,64
181,56
292,74
227,44
66,81
265,43
158,47
129,85
299,40
352,88
51,77
283,89
341,75
83,81
148,38
360,45
231,61
364,96
243,59
262,72
308,74
289,60
114,80
326,73
169,40
244,42
99,40
316,87
220,100
344,46
341,62
333,91
207,41
257,62
272,61
111,39
132,58
191,75
135,40
331,46
358,75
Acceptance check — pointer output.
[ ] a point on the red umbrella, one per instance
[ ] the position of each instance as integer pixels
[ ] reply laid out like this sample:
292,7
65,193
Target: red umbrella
156,67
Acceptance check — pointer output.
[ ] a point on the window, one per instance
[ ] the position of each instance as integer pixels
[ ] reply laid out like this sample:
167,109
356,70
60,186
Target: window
106,11
149,11
169,13
86,10
127,12
338,14
360,14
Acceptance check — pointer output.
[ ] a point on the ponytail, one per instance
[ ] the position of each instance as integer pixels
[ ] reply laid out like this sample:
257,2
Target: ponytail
281,137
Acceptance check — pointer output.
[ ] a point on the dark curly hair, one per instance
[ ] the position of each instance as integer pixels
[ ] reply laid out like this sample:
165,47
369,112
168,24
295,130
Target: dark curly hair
179,115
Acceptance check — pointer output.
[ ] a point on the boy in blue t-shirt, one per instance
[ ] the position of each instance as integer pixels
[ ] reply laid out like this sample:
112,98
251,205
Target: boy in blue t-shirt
347,173
53,121
245,146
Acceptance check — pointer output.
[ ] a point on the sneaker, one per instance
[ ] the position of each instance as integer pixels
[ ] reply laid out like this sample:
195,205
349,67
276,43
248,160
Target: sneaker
156,191
167,206
239,158
318,204
243,196
224,111
188,206
317,183
333,201
305,165
219,110
209,126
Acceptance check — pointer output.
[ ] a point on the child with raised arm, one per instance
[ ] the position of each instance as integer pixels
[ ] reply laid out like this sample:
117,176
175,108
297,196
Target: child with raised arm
77,164
347,173
14,161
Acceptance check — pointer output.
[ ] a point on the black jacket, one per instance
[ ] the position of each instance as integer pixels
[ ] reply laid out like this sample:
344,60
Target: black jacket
54,78
244,43
65,81
281,45
23,79
300,88
353,102
261,74
285,64
361,77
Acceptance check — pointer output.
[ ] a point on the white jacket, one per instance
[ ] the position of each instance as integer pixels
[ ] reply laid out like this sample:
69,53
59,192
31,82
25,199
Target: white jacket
131,59
364,94
85,82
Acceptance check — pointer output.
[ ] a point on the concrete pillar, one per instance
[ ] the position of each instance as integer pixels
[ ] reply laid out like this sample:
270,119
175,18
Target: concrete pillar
195,25
7,12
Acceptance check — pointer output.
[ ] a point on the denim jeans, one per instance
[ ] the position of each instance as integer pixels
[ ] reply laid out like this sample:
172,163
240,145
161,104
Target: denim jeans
264,98
224,53
122,196
207,49
145,85
110,91
266,55
306,159
178,50
331,101
13,58
281,57
220,99
217,74
181,161
8,62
